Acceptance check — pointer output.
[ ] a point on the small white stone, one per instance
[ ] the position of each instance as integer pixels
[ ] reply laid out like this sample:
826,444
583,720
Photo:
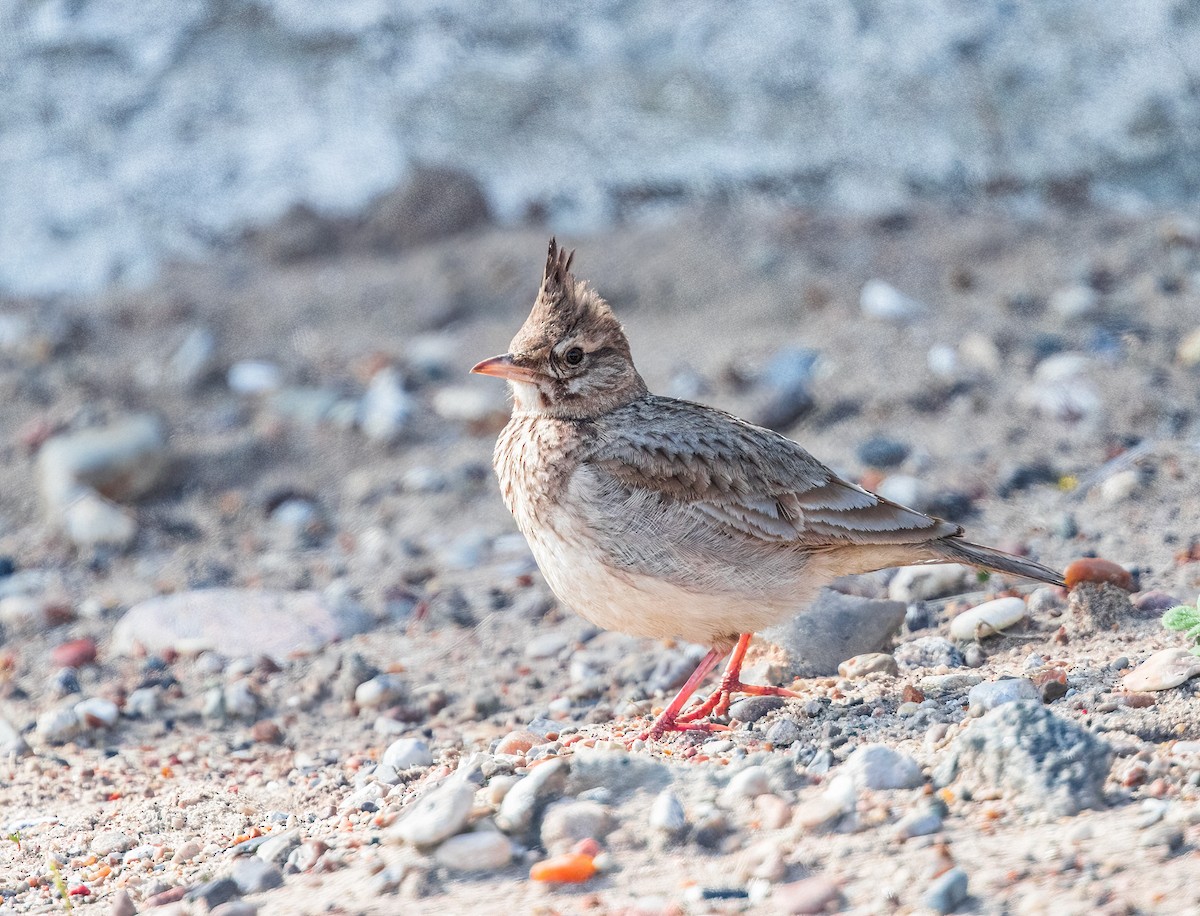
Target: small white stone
253,376
58,725
110,841
877,766
1188,349
381,690
90,520
920,583
667,814
547,645
97,712
1118,487
1163,670
436,815
1075,301
406,753
468,404
240,701
869,663
385,408
987,619
484,850
978,351
942,361
745,784
905,490
880,299
988,695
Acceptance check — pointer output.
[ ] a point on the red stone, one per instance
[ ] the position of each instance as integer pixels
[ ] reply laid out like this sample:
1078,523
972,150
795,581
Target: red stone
1093,569
74,654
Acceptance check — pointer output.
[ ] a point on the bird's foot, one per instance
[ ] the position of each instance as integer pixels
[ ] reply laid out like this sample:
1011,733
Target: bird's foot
718,701
671,723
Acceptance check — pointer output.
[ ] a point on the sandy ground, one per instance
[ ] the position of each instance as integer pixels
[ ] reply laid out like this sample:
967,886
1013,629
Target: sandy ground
708,299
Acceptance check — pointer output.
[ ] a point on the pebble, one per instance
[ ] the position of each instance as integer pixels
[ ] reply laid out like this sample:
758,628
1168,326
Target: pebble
922,822
546,645
836,627
97,712
836,801
870,663
469,403
215,892
881,300
239,700
807,896
667,814
946,892
121,461
877,766
927,652
987,619
746,784
567,822
185,853
1118,487
407,753
193,359
253,874
122,904
1188,349
438,814
277,848
783,732
1095,570
1155,601
921,583
236,908
1163,670
882,452
386,408
90,521
517,742
988,695
74,654
525,800
1026,752
57,726
620,772
569,868
948,683
109,841
238,622
750,709
483,850
251,377
1077,301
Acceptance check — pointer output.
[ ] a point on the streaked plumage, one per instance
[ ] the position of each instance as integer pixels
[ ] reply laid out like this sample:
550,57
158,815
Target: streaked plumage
660,517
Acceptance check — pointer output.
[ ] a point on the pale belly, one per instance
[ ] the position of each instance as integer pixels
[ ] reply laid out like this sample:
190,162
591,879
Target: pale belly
642,605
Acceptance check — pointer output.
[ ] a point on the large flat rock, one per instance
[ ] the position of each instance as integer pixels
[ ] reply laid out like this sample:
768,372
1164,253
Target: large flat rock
238,622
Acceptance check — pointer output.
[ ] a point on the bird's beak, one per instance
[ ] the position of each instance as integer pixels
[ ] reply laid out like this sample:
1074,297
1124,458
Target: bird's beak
504,367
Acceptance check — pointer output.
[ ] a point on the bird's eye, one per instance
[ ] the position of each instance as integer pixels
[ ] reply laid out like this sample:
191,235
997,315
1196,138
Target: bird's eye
574,356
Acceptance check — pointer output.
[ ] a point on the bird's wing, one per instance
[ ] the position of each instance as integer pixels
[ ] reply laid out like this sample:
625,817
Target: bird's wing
747,480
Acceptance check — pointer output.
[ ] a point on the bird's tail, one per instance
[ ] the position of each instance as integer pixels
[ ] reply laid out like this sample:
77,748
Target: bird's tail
957,550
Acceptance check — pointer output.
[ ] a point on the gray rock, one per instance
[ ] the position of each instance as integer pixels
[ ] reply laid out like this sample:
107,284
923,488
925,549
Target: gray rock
252,377
922,822
407,752
783,732
920,583
880,299
385,409
566,822
253,874
927,652
1026,752
236,908
239,699
877,766
438,814
745,785
621,773
237,622
528,798
835,628
57,726
751,709
215,892
990,694
947,891
277,848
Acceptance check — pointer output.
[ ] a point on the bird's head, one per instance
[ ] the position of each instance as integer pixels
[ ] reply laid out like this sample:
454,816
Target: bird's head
571,358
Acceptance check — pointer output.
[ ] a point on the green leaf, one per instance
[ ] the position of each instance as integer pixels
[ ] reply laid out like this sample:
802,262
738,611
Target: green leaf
1183,617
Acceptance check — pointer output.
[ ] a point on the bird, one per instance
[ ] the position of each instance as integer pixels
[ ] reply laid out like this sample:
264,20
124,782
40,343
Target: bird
664,518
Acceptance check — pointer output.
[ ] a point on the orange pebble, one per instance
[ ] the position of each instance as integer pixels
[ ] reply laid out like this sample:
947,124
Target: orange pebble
586,847
1093,569
517,742
571,868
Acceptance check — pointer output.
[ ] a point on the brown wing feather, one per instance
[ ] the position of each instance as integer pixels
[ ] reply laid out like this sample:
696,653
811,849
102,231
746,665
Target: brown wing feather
749,480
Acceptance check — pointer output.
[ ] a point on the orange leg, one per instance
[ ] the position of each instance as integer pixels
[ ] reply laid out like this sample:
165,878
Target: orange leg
718,702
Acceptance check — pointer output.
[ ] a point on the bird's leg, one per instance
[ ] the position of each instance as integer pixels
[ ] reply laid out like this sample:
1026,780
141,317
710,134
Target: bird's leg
717,703
668,721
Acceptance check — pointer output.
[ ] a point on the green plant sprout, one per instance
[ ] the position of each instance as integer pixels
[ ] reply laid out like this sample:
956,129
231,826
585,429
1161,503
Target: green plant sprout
1185,617
60,885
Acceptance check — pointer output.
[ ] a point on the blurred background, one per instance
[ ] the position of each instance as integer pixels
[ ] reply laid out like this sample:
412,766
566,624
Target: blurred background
134,132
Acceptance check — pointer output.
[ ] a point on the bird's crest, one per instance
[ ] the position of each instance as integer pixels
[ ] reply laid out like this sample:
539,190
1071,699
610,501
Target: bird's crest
557,278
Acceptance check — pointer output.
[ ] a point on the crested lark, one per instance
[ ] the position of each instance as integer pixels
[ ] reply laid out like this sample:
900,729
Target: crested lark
659,517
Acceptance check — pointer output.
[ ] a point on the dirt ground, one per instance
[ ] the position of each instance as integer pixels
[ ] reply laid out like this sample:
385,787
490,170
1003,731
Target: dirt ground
414,531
